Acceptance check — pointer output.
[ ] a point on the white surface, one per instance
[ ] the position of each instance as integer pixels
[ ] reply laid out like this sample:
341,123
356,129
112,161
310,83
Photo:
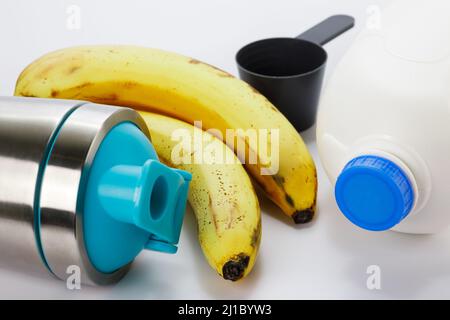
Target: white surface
326,259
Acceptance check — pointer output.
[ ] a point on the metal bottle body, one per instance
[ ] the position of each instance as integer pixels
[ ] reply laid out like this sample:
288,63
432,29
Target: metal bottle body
46,149
25,131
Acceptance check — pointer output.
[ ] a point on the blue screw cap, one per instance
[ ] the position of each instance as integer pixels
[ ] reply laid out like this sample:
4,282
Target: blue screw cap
374,193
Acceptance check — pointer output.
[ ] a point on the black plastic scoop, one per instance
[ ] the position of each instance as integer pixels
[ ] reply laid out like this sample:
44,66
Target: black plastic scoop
289,71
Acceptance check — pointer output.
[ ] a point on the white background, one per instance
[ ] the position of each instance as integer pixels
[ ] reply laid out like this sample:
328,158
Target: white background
325,259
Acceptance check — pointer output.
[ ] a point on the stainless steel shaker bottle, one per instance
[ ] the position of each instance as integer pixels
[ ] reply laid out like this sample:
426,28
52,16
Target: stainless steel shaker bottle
81,185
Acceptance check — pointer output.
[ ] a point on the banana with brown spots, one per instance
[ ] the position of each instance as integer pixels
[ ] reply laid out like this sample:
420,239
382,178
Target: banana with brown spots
184,88
221,194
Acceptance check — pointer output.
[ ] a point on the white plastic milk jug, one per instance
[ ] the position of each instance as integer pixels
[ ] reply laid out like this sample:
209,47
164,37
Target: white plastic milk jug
383,128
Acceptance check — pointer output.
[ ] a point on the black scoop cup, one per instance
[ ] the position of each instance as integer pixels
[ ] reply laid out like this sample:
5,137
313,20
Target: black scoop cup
290,71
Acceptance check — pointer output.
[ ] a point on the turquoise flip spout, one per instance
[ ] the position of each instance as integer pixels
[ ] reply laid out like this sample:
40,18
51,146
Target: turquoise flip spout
133,201
151,197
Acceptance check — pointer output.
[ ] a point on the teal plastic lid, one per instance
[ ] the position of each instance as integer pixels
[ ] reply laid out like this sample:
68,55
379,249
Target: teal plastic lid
133,201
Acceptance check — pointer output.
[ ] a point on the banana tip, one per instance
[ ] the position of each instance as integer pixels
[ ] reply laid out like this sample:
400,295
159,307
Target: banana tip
234,268
304,216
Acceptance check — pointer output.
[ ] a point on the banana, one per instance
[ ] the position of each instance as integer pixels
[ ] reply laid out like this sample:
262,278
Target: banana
184,88
221,196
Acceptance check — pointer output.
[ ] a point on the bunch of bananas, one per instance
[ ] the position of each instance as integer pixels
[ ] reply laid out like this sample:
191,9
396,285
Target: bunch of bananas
163,86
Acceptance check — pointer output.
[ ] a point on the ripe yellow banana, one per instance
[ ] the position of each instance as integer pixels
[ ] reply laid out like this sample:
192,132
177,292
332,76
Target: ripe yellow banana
184,88
221,196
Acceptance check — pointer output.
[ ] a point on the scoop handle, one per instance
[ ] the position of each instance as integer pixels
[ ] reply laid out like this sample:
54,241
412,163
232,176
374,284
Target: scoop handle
328,29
